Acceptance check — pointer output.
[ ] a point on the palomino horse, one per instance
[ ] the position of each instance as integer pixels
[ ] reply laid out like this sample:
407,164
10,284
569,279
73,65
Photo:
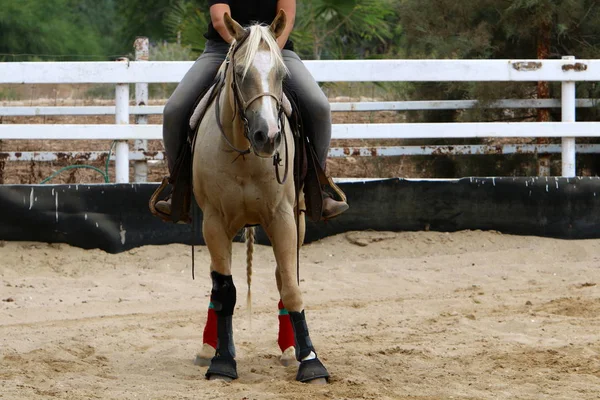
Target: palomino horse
242,136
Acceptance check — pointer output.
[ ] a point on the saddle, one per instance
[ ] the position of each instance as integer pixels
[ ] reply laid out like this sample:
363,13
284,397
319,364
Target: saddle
308,173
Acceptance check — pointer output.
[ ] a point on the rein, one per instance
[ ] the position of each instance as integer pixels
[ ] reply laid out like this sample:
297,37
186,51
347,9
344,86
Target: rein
241,108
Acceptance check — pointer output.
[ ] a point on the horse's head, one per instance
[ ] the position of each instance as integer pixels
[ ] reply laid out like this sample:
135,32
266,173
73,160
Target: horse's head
257,73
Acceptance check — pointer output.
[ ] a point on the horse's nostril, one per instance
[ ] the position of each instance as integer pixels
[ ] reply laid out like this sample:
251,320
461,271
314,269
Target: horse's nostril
277,139
260,137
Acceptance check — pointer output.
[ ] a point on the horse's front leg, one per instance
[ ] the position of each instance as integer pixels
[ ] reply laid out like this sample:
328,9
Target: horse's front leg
283,235
285,337
223,295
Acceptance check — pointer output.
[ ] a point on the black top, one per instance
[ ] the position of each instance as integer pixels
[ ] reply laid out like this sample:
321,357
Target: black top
246,12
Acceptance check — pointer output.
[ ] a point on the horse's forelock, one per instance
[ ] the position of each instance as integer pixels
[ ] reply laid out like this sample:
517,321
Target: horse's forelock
260,34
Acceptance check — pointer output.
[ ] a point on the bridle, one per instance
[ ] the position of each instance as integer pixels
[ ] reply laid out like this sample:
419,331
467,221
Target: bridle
241,107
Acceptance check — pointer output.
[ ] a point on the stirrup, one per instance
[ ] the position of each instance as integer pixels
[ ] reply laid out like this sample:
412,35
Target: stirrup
336,189
339,207
155,199
325,180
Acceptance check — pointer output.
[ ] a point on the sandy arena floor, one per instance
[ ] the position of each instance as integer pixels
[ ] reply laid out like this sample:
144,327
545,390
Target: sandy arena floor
427,315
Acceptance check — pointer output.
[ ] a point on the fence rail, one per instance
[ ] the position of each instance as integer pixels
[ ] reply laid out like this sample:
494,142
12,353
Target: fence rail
381,151
449,130
122,73
323,71
41,111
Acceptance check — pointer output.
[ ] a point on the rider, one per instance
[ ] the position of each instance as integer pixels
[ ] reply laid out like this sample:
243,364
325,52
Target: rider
314,106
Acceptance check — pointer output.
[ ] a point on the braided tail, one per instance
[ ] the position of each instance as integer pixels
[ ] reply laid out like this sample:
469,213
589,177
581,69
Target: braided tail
249,236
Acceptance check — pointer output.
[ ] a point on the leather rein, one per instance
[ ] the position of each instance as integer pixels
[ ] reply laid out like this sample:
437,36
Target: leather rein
242,107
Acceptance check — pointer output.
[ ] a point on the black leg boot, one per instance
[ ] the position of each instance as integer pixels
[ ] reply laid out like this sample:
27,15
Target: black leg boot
223,297
310,369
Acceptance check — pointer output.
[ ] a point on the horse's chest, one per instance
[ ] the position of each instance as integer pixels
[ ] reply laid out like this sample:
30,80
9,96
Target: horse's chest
245,192
256,192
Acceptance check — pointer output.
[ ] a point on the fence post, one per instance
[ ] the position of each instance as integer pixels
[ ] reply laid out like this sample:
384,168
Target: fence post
568,101
140,168
122,118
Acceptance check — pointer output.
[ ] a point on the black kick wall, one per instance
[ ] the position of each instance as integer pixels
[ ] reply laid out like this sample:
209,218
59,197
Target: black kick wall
115,218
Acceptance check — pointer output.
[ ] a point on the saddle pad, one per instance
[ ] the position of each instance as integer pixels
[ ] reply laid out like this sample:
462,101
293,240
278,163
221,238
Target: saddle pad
201,108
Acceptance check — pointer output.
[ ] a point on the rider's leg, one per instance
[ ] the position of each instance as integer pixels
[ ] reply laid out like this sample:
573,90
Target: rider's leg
178,107
316,118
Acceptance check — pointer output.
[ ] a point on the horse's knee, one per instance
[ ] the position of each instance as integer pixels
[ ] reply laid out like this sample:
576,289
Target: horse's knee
291,298
223,294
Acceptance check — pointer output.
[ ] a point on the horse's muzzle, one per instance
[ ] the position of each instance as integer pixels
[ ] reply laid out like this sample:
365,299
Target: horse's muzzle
265,145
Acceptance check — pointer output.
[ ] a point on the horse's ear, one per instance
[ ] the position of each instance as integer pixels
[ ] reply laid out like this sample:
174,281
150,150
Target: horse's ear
234,29
279,23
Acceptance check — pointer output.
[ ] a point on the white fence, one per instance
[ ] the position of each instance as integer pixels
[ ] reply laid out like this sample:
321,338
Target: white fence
568,71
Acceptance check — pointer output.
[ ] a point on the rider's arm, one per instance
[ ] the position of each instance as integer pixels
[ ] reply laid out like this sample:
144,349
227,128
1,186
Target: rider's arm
217,16
289,6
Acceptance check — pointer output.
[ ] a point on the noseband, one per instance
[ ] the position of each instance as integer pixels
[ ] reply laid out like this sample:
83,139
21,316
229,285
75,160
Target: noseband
241,107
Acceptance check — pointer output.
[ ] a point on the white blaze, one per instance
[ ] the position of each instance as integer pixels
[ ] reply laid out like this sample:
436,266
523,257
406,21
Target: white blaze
264,65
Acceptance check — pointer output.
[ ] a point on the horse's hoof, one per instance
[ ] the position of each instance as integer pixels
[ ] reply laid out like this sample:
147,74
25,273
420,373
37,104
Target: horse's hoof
312,371
222,368
220,378
318,381
201,362
205,355
288,358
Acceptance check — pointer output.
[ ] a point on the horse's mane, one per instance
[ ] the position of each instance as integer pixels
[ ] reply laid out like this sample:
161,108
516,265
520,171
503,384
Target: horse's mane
258,34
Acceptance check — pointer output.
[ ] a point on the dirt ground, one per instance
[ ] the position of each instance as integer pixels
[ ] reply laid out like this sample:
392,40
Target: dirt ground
425,315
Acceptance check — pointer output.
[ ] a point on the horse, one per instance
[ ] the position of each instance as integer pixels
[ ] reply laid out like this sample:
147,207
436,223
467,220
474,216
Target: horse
237,184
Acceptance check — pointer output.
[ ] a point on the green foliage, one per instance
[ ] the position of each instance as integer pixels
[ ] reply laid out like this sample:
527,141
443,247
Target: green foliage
71,29
141,18
163,20
495,29
166,51
341,28
66,29
499,28
186,24
101,17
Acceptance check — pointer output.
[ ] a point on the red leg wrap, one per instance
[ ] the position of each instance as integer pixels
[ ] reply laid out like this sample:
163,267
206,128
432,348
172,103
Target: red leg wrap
286,332
210,329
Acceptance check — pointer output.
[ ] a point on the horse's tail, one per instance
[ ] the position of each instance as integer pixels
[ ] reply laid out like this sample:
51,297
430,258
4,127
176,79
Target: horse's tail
249,235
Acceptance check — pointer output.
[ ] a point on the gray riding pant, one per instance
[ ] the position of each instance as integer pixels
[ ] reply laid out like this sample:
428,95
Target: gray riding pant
314,106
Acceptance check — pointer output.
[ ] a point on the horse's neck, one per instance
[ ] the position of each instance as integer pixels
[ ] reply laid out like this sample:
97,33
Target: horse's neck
230,119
